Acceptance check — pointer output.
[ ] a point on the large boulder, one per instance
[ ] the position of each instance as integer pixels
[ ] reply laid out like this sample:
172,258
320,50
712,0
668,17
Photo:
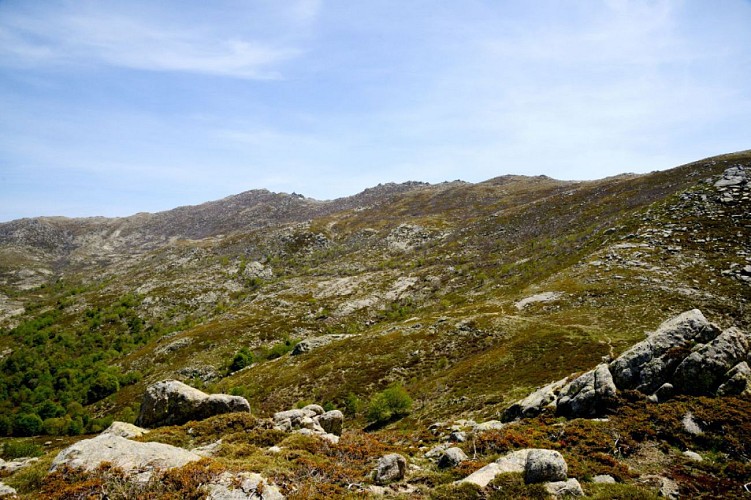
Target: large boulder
544,466
705,369
173,403
130,456
390,468
514,461
532,405
589,395
650,363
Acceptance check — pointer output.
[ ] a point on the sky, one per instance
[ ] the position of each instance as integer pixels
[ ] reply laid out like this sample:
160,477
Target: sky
112,108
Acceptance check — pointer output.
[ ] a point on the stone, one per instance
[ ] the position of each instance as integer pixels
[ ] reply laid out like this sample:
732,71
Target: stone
603,479
590,395
490,425
664,392
458,437
6,490
452,457
437,451
532,405
317,409
703,371
124,429
737,381
650,363
208,450
390,468
12,466
690,425
130,456
241,486
307,345
171,402
511,462
692,455
544,466
569,488
331,422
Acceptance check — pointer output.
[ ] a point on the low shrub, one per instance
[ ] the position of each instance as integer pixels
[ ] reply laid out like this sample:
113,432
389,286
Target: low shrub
391,403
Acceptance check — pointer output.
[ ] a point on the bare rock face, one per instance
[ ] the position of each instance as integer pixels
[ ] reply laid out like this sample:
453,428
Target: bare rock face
705,369
173,403
131,456
390,468
650,363
738,381
589,395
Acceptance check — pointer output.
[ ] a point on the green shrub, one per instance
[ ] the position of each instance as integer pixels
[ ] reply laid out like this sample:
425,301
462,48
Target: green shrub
27,424
390,403
104,385
18,448
242,359
6,425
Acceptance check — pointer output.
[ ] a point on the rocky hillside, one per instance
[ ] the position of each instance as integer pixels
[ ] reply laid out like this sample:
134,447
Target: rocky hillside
403,306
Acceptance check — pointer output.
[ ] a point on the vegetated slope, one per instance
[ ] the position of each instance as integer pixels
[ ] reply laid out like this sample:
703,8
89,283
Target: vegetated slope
424,281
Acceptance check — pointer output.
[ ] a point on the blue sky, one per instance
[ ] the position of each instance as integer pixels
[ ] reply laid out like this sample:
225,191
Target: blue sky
111,107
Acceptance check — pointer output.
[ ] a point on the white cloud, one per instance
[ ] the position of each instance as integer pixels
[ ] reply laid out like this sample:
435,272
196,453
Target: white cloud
133,40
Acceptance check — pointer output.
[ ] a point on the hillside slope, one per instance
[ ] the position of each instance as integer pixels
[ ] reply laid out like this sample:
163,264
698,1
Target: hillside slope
467,295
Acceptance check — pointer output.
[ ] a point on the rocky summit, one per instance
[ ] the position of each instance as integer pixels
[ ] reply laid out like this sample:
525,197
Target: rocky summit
522,337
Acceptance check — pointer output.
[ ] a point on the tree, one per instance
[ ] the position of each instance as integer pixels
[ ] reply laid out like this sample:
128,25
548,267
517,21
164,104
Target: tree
390,403
27,424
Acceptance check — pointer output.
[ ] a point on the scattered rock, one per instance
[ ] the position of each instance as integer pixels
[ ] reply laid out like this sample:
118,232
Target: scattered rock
664,392
490,425
569,488
692,455
458,437
242,486
589,395
130,456
540,297
702,372
173,403
208,450
452,457
603,479
544,466
690,425
390,468
515,461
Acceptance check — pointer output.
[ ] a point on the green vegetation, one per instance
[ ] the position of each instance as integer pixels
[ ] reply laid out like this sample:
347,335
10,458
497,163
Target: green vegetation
393,402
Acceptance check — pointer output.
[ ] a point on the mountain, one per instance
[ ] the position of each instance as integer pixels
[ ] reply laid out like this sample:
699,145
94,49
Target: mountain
466,296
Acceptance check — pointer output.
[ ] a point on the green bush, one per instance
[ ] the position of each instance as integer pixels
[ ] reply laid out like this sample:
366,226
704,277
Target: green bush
104,385
242,359
6,425
390,403
27,424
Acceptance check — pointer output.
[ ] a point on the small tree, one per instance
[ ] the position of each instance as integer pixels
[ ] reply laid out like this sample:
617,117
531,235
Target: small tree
27,424
242,359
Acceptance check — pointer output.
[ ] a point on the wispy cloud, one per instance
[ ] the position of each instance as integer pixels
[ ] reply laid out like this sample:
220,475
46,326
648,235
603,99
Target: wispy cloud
90,36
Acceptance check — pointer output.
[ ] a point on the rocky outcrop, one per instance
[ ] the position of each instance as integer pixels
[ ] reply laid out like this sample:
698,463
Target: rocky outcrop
588,395
130,456
648,364
685,355
311,420
390,468
172,403
12,466
307,345
705,369
6,490
533,404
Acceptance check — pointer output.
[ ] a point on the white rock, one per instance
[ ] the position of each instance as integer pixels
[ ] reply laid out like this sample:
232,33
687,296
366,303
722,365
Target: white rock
569,488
